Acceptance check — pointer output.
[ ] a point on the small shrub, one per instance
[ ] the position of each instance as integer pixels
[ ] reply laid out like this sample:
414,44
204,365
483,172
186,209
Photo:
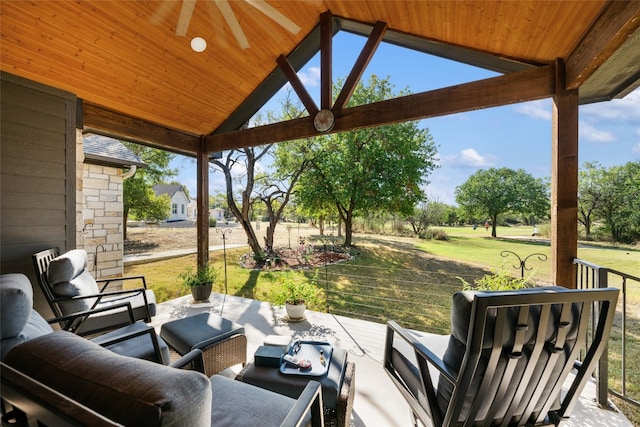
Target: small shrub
435,234
500,281
212,221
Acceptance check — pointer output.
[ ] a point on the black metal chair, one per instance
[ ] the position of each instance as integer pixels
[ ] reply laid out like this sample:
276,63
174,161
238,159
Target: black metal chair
507,359
71,289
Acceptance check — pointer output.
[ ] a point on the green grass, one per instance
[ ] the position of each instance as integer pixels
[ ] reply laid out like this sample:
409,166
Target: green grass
412,280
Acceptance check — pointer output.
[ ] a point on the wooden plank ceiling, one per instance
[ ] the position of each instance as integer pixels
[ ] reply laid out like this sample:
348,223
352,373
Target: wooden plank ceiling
133,58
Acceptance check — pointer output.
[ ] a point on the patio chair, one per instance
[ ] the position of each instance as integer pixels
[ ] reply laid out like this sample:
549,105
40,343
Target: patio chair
507,358
69,288
19,323
103,389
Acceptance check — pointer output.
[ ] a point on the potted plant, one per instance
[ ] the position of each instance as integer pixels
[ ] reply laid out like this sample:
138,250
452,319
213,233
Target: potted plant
200,281
295,295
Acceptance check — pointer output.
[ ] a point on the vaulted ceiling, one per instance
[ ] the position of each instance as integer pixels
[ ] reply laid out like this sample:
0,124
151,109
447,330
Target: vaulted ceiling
132,65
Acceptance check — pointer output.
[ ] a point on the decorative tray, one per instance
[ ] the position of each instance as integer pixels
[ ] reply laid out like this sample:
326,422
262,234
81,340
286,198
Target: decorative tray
311,351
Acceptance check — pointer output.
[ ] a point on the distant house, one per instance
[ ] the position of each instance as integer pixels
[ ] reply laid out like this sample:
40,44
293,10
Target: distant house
217,213
179,200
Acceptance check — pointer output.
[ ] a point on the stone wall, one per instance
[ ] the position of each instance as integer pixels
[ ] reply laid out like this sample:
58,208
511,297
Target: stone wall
102,216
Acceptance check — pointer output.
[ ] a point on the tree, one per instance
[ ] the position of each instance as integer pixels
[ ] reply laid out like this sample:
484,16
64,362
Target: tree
429,212
491,192
590,194
371,169
274,189
621,211
247,159
139,198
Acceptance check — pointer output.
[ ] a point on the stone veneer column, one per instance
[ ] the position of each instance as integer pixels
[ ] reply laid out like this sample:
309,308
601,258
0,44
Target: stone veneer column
102,212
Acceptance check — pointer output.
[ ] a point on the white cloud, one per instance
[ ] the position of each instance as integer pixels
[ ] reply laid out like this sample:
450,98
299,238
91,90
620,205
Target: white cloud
626,109
535,109
467,158
589,133
310,77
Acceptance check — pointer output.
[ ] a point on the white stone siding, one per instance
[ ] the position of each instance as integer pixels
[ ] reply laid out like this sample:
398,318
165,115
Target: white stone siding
102,219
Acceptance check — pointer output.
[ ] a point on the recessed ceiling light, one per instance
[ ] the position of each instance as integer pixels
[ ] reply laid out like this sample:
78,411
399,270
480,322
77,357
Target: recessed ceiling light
198,44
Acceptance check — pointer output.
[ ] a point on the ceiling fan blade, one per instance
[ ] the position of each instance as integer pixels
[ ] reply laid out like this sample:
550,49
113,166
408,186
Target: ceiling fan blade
162,11
185,17
274,14
234,25
216,21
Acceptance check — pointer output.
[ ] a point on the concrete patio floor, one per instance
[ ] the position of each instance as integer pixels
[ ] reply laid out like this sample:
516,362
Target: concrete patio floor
377,402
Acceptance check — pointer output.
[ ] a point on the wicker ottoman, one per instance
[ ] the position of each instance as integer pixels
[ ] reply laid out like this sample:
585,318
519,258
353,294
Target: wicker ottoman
223,342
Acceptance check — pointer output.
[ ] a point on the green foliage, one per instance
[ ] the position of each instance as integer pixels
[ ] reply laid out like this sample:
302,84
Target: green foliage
489,193
200,276
212,221
293,291
140,200
500,281
436,234
621,210
377,169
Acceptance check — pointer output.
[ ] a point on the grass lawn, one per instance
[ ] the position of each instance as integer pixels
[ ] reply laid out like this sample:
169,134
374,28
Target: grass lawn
411,280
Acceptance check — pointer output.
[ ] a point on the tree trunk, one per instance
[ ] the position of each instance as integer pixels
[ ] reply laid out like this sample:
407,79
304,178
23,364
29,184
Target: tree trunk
494,220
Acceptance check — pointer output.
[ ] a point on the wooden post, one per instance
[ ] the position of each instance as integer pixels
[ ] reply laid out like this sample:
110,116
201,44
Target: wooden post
564,182
202,225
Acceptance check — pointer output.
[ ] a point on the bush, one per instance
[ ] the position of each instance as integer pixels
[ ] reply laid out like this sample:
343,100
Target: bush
435,234
212,221
500,281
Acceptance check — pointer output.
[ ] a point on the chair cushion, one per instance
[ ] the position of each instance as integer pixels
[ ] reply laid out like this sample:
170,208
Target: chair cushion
36,326
127,390
68,276
259,407
16,302
19,322
139,347
461,308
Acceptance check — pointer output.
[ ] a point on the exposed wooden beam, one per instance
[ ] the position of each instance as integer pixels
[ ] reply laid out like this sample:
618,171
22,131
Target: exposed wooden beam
502,90
202,214
297,85
106,122
618,20
564,183
376,36
186,11
326,55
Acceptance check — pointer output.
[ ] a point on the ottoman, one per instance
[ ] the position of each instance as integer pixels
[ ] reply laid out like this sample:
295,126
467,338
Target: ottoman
222,342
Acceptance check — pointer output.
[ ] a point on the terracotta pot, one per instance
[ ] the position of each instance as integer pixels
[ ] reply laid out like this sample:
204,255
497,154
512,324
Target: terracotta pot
201,292
295,311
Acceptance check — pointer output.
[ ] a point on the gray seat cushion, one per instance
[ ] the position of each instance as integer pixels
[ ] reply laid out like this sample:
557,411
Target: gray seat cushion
130,391
198,331
461,308
69,277
18,321
139,347
239,404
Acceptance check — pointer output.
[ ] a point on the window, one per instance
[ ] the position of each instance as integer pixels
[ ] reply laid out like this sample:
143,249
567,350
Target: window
174,208
182,209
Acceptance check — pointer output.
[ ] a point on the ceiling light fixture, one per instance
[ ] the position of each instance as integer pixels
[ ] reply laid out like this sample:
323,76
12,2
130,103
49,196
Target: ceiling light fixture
198,44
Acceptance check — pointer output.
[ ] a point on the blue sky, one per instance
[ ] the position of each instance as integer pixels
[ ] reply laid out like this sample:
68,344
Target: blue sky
515,136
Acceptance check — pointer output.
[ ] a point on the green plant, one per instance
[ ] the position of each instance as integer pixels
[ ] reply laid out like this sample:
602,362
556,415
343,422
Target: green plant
500,281
212,221
201,276
296,292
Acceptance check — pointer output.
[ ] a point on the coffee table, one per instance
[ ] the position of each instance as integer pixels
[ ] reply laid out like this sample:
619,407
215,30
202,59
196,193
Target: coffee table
338,385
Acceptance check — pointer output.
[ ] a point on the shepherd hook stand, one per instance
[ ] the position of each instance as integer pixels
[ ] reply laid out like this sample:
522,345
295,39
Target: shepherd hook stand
523,262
